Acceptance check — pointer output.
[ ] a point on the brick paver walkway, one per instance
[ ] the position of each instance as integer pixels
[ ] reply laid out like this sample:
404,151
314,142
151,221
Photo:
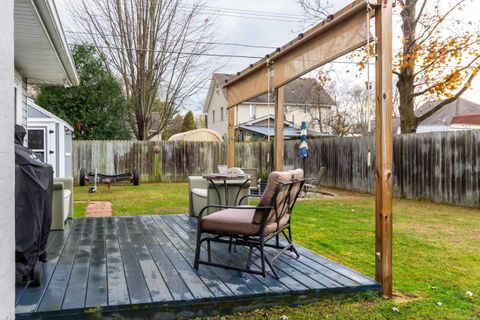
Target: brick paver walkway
98,209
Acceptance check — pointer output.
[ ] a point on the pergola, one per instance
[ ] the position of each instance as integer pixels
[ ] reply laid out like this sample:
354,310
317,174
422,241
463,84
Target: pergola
339,34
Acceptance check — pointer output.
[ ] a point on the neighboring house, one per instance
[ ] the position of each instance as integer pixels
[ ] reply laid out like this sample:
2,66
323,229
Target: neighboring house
461,114
50,137
264,128
468,121
300,95
440,120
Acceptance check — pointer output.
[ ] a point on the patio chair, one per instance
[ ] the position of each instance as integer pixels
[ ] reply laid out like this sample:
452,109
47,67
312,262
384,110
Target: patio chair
253,226
202,193
62,202
255,182
314,184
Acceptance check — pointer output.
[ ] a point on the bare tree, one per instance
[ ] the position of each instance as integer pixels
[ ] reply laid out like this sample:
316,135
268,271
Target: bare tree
439,57
340,120
358,101
156,48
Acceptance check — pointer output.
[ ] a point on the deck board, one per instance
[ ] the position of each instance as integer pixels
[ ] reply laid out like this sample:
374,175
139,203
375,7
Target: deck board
77,284
55,291
218,256
96,294
143,265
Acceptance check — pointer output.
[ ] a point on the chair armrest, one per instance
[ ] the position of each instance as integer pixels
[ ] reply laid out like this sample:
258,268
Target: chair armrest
231,207
197,182
58,185
67,182
67,185
249,196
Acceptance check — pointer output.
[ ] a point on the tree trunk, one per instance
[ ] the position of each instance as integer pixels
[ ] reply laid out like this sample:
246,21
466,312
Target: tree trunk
406,76
408,121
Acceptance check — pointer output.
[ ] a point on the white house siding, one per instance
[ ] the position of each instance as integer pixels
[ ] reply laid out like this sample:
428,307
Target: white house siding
242,114
431,128
218,102
7,170
20,89
261,110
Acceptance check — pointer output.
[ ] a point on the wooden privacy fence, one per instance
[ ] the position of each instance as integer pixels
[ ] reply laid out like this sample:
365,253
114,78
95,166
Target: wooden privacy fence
165,161
441,166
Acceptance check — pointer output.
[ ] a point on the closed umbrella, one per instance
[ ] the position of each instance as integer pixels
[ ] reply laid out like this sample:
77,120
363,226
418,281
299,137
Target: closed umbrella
303,149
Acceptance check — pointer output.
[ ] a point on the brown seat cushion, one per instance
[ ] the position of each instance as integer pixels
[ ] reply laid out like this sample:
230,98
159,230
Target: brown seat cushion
247,221
231,221
238,221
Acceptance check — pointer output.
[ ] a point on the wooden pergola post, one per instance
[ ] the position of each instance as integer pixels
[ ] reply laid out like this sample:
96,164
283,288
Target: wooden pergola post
231,137
278,144
384,147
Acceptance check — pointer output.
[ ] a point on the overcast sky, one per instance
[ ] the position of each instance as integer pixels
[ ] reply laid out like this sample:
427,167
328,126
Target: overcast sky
240,27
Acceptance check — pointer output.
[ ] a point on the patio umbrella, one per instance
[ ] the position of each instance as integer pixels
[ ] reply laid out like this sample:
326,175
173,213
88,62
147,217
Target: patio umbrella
303,150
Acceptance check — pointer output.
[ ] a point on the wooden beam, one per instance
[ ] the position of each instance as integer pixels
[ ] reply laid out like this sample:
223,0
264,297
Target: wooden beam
279,142
231,138
313,50
383,147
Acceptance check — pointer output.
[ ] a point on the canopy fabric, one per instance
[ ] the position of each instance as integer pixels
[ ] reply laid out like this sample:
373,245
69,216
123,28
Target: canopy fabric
316,47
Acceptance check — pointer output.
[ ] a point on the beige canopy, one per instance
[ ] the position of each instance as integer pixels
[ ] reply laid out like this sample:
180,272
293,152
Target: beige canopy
197,135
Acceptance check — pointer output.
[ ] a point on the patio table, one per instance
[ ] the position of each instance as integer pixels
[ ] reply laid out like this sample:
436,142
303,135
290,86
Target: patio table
242,180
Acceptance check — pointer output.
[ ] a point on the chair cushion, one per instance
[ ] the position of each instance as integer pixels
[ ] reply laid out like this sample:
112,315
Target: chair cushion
274,179
203,193
231,221
239,222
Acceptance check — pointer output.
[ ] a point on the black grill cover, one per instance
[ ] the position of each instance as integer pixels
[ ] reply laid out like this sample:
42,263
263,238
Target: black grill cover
33,206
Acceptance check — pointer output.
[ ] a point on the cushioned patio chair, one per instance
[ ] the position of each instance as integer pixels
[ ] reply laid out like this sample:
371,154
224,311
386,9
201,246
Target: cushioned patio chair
62,202
202,193
253,226
313,185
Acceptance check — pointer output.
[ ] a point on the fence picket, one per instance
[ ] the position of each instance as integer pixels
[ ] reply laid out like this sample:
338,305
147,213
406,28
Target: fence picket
440,166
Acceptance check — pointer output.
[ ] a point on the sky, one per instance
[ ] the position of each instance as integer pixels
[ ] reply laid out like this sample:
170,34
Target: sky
234,26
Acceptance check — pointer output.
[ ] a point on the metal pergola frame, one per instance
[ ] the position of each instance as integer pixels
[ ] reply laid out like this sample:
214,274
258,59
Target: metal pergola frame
339,34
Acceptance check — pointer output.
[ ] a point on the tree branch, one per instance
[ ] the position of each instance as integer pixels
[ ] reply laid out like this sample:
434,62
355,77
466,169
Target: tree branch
446,101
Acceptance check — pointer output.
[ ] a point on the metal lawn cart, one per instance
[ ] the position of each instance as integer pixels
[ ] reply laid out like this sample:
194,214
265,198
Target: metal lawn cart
133,176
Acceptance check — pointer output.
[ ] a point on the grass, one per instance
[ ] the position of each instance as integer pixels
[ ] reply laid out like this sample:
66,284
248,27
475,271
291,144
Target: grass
145,199
436,257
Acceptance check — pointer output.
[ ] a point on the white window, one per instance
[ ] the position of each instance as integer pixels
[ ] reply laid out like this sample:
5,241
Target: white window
37,141
253,111
221,114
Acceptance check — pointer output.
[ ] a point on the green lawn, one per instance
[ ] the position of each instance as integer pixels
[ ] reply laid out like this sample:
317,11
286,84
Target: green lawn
436,250
153,198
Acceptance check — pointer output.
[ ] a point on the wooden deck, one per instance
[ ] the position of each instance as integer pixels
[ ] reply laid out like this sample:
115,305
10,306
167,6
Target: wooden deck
142,266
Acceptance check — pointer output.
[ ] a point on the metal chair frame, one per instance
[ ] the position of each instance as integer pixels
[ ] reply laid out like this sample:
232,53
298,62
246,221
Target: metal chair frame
277,207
